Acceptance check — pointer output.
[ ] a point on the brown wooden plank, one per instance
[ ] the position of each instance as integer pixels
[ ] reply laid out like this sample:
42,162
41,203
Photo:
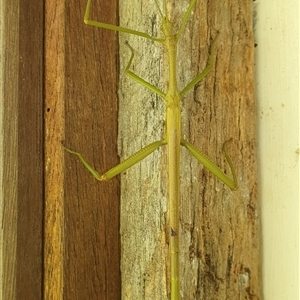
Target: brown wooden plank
82,68
219,228
9,143
30,151
54,129
92,208
22,150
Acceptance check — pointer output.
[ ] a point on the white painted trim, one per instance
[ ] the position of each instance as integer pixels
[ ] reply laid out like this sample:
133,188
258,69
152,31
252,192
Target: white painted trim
277,84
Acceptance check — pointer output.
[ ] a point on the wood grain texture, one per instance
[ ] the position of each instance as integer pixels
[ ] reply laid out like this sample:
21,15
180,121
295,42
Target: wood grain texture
82,215
54,130
8,143
22,149
219,229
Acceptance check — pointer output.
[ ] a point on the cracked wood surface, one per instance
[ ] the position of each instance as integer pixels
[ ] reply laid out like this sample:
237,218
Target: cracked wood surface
219,242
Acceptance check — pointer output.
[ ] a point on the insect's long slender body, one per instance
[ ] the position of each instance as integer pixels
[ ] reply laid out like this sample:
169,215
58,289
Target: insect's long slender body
172,137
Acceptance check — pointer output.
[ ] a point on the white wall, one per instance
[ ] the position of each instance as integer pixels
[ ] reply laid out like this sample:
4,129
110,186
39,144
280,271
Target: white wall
277,82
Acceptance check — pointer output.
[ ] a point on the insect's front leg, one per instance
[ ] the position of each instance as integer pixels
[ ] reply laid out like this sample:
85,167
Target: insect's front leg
88,21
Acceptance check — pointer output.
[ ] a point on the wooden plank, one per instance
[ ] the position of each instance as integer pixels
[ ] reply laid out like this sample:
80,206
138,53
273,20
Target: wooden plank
30,151
8,146
219,228
22,149
82,215
54,130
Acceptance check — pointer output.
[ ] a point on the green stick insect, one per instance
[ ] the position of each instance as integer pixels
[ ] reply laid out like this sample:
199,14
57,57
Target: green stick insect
172,138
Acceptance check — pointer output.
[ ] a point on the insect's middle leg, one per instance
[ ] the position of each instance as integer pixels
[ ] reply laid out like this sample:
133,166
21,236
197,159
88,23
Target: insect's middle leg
139,79
211,62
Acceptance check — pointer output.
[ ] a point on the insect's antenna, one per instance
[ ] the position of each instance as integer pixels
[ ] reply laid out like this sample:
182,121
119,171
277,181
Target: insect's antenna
165,8
160,12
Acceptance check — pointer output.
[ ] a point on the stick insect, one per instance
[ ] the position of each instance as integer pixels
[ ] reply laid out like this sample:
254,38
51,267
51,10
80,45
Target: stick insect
172,138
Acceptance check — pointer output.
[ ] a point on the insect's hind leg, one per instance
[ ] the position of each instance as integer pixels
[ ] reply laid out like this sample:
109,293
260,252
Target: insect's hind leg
124,165
211,166
139,79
